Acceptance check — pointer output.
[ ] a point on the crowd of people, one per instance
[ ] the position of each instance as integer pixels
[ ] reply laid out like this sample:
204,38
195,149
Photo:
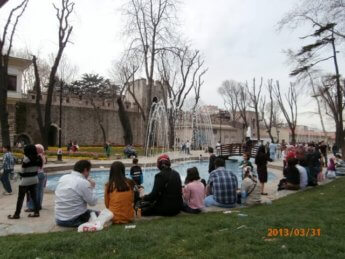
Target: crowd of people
125,198
303,164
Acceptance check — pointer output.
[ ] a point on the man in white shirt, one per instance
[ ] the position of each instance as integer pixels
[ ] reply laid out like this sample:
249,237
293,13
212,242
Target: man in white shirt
72,195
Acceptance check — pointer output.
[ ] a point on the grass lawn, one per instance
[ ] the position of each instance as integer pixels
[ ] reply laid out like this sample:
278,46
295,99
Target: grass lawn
212,235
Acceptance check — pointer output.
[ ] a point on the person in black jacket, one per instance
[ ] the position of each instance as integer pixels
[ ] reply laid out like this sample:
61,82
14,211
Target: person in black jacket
292,175
166,194
261,159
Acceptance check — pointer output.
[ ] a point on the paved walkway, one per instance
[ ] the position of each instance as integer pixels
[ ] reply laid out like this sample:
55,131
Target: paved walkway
45,223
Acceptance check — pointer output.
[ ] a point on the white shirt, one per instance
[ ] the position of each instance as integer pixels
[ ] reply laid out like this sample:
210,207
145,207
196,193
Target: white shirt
187,145
72,196
303,176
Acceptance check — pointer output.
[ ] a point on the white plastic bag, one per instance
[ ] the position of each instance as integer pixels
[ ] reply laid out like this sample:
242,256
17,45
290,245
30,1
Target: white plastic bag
96,223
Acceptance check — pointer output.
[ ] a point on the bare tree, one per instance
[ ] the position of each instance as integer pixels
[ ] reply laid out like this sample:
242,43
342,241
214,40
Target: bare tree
6,44
267,110
317,13
290,110
308,77
243,104
255,101
149,28
124,72
181,70
308,58
328,91
229,90
64,32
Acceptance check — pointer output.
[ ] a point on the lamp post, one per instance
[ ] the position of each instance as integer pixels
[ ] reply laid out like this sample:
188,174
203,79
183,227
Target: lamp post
59,153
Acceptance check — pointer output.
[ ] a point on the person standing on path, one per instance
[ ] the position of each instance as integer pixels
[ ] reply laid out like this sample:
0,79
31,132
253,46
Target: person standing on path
7,166
42,180
28,183
261,160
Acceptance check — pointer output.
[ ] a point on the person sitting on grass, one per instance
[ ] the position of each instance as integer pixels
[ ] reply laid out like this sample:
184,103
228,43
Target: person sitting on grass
166,194
303,173
330,174
119,194
7,166
72,195
292,176
136,173
339,165
28,183
246,161
193,192
221,189
130,151
250,188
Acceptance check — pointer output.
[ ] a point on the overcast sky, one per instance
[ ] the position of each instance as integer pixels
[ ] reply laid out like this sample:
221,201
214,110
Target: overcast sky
237,37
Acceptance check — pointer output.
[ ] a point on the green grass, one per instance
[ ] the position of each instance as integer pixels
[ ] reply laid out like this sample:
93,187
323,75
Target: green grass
212,235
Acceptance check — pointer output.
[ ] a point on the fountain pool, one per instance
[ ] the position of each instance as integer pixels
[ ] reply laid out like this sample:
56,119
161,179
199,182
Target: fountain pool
101,177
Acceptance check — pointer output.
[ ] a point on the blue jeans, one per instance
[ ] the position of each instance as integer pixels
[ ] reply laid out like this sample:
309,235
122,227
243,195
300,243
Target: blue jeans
6,180
77,221
42,178
210,201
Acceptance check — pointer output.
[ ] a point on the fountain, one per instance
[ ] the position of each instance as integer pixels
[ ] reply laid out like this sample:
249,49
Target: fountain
193,124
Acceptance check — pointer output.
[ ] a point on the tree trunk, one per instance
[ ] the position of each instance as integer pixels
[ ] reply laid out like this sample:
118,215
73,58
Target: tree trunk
171,130
5,128
257,124
37,88
293,136
125,123
340,126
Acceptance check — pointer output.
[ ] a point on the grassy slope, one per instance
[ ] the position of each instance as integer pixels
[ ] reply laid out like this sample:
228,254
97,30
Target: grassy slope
207,235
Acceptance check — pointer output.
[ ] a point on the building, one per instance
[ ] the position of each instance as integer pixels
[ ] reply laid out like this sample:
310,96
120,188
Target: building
16,68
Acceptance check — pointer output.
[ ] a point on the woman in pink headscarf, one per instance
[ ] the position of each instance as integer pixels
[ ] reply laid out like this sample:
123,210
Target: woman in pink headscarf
42,180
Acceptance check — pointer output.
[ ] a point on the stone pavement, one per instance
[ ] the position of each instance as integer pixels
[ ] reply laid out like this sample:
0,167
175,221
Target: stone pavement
46,223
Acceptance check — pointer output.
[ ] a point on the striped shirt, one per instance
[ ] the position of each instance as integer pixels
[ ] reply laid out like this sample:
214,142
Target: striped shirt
223,186
29,171
8,161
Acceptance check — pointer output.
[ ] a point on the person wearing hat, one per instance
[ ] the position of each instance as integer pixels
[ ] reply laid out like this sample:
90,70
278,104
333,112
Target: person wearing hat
166,194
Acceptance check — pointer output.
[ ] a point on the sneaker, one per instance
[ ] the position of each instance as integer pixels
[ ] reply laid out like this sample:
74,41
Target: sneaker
7,193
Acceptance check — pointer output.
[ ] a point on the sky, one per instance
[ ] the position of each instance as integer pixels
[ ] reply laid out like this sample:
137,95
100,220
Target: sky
238,38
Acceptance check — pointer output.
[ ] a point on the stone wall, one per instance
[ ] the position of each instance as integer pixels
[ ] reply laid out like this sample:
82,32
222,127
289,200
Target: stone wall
81,124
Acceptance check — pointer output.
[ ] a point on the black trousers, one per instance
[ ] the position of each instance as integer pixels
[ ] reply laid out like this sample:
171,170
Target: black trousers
31,190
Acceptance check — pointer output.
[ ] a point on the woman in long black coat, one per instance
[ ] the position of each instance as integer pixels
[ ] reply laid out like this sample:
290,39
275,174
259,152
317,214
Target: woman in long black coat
261,159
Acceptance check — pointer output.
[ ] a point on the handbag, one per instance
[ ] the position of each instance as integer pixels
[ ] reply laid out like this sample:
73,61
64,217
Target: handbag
144,206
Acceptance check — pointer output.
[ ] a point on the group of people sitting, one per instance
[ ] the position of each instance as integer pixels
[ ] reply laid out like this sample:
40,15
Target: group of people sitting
168,197
303,166
129,151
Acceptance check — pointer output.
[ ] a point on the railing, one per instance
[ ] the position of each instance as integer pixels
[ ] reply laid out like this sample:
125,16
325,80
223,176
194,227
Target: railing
237,150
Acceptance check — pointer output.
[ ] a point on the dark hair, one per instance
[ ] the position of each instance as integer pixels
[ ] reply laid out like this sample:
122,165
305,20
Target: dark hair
192,175
262,149
81,165
203,182
117,178
219,162
338,155
135,161
30,151
210,149
291,162
8,147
